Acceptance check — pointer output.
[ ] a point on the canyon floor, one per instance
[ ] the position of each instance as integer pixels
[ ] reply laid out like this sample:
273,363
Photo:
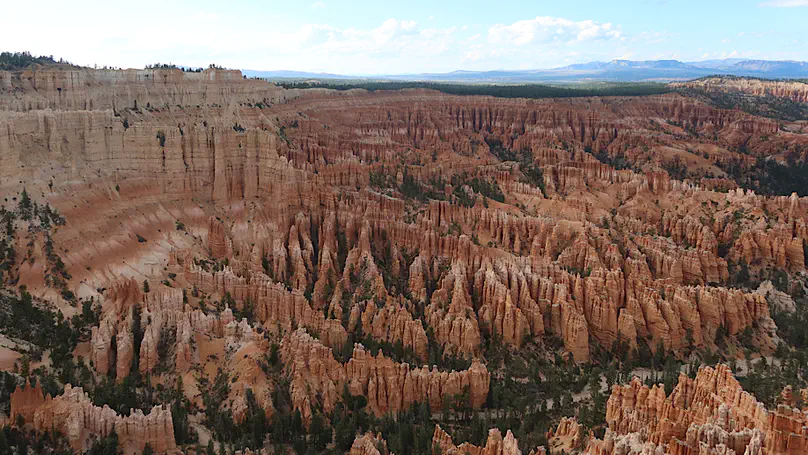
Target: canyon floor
197,262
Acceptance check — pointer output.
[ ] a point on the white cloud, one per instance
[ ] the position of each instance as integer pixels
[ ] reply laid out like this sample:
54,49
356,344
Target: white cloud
231,40
546,29
393,46
666,56
653,37
390,35
785,3
318,5
472,56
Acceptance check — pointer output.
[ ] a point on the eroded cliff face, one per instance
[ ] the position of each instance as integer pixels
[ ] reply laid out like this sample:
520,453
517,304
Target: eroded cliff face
495,444
369,444
591,288
390,387
792,90
75,416
595,247
424,224
85,89
710,414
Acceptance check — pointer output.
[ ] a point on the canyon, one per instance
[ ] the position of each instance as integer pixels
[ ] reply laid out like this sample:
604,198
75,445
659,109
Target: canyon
333,246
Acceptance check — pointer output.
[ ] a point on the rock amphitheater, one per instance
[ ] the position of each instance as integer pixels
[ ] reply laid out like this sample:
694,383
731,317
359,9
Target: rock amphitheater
266,219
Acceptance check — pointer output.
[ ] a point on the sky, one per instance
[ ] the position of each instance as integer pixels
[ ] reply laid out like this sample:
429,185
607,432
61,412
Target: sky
367,37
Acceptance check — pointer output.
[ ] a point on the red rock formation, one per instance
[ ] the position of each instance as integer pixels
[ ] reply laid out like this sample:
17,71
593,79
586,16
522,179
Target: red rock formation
510,306
495,445
567,437
251,452
394,323
101,342
389,387
24,402
706,415
75,416
125,347
219,243
451,314
368,444
775,247
499,313
393,387
792,90
302,210
275,306
59,89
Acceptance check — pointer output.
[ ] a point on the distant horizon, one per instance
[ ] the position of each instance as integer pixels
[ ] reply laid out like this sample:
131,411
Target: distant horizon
617,70
613,71
462,70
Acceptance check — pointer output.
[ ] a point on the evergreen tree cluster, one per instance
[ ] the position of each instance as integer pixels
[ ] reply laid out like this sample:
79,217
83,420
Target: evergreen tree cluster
497,90
10,61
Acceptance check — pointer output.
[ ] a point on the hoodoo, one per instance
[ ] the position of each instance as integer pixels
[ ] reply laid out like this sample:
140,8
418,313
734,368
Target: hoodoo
195,261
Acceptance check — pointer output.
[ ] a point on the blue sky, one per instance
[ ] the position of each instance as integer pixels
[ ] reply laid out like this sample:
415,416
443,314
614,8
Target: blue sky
381,37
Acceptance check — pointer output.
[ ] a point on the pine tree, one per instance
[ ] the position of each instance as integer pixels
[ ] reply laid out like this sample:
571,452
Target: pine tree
25,206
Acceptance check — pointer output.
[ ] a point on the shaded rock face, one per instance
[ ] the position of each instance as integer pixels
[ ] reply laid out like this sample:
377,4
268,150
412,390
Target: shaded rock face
710,414
567,437
779,301
74,415
275,306
390,387
393,323
495,445
369,444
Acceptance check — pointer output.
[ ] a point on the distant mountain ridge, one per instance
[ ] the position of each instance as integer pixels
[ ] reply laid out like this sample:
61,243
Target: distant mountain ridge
613,71
769,66
627,64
